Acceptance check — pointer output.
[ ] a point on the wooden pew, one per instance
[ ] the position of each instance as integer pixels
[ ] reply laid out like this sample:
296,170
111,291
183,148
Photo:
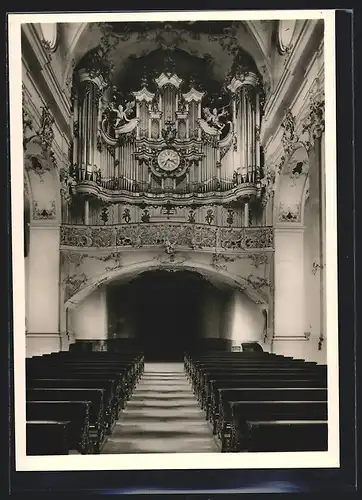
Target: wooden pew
202,394
212,404
234,367
268,411
123,372
123,391
283,436
222,415
96,413
47,437
75,412
109,386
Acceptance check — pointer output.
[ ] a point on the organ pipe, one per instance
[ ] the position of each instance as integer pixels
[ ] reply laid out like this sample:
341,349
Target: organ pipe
257,134
246,214
86,212
225,163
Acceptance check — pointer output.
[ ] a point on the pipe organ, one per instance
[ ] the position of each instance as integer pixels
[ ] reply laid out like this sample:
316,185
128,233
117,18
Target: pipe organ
165,144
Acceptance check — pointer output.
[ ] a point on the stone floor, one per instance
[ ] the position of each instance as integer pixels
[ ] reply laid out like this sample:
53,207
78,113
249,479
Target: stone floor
163,416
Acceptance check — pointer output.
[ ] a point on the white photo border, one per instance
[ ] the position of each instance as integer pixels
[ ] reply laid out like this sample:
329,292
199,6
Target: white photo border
330,459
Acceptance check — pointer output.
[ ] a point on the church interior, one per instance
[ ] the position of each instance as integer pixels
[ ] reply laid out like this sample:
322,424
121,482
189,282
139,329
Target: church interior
174,233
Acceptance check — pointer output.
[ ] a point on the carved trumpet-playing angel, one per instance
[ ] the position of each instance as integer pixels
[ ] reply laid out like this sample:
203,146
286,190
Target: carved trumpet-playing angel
213,118
122,114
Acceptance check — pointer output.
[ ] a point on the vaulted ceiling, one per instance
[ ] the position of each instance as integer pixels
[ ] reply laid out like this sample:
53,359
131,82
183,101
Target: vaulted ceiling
219,46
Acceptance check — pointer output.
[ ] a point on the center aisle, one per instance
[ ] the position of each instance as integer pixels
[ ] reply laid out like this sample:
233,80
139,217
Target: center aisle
163,416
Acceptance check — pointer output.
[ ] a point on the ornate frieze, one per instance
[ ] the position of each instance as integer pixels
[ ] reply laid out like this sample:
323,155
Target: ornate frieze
194,236
244,238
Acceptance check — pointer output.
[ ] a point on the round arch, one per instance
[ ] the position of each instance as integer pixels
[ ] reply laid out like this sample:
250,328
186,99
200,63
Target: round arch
126,273
290,189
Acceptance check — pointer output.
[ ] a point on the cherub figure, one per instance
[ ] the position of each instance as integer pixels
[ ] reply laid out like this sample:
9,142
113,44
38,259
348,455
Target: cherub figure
122,112
169,247
213,118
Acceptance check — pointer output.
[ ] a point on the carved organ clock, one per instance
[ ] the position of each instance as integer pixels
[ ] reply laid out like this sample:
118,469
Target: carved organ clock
168,160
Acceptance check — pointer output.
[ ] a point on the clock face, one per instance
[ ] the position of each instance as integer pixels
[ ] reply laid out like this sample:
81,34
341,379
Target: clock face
168,159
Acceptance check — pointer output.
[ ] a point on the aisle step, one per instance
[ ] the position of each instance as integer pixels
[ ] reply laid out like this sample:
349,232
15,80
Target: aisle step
163,416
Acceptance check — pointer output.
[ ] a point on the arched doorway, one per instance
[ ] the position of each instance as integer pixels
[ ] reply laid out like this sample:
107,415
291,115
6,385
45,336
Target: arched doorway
163,312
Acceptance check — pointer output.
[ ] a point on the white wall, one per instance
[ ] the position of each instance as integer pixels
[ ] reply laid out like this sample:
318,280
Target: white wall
211,314
38,344
298,290
89,319
289,282
43,286
243,319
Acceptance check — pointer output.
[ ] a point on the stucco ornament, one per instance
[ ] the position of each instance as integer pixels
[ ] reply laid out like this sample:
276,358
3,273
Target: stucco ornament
314,123
290,137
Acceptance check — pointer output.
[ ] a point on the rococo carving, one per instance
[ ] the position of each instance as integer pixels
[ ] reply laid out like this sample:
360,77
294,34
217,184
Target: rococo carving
44,213
258,259
244,238
195,236
289,214
290,137
315,122
220,261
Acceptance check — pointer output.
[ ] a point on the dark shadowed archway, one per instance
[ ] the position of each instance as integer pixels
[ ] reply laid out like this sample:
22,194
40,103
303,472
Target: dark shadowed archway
160,310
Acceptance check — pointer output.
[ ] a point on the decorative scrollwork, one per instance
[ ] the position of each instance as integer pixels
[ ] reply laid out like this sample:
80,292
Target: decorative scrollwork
315,121
258,259
220,261
290,138
244,238
44,213
289,214
169,133
74,283
195,236
45,132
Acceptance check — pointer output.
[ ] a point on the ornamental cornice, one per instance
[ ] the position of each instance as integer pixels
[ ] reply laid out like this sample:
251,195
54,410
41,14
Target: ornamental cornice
241,191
